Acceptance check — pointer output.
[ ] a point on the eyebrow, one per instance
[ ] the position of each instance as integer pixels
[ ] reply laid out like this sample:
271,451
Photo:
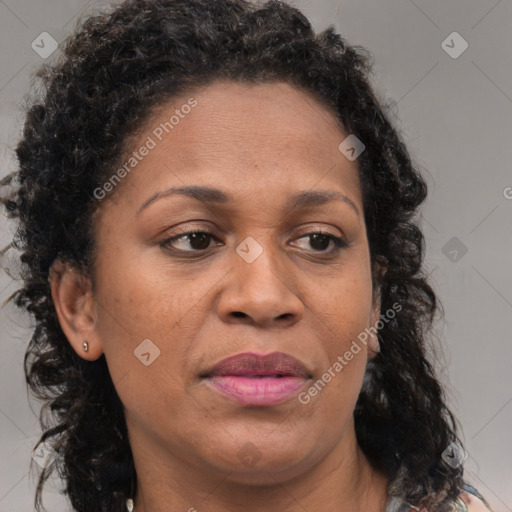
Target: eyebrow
305,199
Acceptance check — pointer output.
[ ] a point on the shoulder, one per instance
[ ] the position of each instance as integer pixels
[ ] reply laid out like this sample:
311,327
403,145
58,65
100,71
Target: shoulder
473,500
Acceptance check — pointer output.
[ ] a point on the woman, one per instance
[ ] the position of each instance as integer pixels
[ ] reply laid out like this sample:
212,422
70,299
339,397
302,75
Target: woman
221,256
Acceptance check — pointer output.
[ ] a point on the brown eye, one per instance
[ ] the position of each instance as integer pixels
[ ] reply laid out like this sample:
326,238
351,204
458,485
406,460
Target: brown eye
197,240
320,242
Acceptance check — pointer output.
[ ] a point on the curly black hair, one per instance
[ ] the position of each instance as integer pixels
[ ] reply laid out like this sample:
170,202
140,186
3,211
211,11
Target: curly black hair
112,73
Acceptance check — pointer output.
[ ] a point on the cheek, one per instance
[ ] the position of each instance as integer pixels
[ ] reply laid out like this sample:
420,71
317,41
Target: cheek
145,344
147,323
343,313
132,296
346,304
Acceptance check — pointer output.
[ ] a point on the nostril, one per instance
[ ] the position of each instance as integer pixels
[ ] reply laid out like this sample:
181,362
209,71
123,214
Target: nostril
239,314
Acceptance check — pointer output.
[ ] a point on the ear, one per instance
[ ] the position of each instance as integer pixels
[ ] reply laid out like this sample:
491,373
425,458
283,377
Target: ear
379,270
373,340
76,308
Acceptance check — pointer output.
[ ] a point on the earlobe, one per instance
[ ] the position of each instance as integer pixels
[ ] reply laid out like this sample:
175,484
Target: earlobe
373,339
76,309
379,270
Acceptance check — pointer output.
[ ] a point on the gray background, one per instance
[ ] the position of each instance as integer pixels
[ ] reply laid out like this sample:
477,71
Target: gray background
455,115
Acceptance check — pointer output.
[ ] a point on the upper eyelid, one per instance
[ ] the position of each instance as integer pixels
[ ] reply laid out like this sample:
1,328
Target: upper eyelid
190,228
310,231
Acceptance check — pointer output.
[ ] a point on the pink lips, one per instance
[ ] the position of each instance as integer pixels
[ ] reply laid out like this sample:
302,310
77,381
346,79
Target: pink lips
252,379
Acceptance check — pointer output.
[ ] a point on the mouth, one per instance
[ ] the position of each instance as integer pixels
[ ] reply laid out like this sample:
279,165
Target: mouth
255,380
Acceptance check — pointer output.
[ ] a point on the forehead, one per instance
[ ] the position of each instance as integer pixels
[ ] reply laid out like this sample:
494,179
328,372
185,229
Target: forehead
239,116
244,136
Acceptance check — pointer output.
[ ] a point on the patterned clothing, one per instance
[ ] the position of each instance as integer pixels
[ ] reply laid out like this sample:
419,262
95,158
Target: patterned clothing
397,505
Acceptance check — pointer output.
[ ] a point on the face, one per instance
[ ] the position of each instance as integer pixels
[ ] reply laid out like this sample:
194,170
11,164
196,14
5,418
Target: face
265,272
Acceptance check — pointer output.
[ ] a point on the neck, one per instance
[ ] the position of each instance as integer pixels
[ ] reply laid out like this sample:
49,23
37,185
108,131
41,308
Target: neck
343,480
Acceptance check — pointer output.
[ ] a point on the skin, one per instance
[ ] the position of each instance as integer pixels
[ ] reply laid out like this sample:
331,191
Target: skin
259,144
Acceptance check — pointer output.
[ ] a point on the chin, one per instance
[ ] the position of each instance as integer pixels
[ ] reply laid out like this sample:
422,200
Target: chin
256,465
266,475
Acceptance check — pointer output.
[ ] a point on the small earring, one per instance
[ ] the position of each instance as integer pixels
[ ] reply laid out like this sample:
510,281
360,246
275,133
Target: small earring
86,346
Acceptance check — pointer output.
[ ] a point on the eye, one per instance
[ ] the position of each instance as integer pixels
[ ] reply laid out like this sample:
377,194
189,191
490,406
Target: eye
320,241
198,240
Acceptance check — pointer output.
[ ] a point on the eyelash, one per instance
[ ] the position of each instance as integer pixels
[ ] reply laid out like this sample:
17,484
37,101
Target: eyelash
339,243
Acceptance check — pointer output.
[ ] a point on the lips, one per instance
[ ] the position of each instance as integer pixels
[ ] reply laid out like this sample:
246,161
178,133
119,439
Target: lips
253,380
249,364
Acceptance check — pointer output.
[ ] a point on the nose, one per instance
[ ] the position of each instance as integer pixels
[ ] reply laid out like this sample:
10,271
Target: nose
262,293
